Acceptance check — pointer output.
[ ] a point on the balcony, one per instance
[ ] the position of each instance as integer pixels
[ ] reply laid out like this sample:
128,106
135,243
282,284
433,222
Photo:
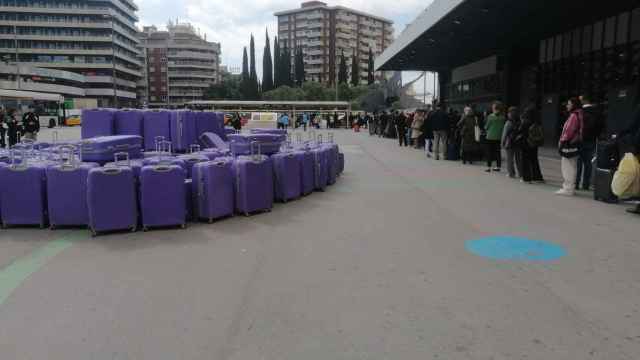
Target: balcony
57,10
190,84
58,51
314,61
191,55
192,66
109,92
44,87
109,80
58,24
57,37
314,52
313,16
191,75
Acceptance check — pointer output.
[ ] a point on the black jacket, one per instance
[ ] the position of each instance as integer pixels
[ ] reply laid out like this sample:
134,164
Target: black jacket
31,122
439,121
401,121
593,125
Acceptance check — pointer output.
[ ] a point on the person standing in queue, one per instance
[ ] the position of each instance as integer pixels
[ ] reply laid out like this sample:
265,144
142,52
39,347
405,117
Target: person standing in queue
571,140
494,127
593,128
3,129
439,122
508,144
401,128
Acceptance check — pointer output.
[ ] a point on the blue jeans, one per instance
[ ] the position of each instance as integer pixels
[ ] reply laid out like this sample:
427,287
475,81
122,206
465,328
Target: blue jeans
584,164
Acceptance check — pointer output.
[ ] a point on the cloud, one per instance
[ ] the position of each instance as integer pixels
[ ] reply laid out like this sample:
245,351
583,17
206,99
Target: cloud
231,22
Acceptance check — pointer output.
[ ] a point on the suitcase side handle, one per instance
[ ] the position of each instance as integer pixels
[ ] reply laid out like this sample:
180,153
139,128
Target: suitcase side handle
162,168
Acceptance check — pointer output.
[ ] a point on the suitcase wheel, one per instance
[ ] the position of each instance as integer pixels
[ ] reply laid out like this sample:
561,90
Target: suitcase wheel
52,227
246,214
210,221
133,228
3,225
93,233
144,229
183,226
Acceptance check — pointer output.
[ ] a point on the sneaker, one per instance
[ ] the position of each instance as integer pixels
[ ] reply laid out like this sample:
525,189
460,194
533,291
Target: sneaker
496,169
525,182
539,181
488,171
635,210
563,192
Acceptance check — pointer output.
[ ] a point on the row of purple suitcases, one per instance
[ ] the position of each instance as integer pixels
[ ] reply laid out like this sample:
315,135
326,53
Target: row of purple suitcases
114,209
182,127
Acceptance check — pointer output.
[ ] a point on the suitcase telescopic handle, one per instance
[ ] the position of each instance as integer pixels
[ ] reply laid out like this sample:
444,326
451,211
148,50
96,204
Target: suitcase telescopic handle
254,145
299,137
69,151
330,137
13,158
125,158
194,148
54,137
158,140
319,139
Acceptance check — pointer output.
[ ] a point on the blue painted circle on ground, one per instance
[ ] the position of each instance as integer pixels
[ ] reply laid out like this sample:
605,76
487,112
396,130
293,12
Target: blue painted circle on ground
515,248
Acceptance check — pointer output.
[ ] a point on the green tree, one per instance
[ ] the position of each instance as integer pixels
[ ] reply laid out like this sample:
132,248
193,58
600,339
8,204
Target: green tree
267,65
342,71
287,79
370,65
355,70
227,89
253,76
284,93
315,91
276,63
244,78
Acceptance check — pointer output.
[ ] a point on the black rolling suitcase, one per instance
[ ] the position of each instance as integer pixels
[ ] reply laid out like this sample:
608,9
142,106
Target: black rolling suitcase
607,154
602,186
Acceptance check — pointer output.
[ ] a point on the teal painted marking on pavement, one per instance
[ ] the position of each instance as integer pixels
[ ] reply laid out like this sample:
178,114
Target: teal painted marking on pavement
515,248
12,276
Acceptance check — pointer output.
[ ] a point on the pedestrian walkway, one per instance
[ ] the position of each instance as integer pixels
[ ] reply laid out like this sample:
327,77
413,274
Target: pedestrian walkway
404,258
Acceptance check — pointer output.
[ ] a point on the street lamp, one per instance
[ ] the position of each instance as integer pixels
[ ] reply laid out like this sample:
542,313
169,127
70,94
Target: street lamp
113,59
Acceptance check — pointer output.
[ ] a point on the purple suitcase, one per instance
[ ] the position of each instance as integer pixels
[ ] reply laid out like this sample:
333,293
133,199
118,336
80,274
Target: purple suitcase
332,162
287,173
111,199
340,163
24,193
97,122
67,191
321,173
254,183
156,123
102,149
308,171
190,160
162,196
269,131
213,186
211,140
228,130
183,130
240,144
188,198
207,121
128,122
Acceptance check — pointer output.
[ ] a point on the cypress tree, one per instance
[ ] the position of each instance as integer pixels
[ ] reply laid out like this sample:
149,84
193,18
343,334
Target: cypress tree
286,67
299,70
370,77
253,76
342,71
244,80
355,70
276,63
267,65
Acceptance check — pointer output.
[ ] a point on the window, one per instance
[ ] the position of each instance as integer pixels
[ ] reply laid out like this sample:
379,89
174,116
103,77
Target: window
622,35
598,29
577,41
557,54
610,32
587,39
635,25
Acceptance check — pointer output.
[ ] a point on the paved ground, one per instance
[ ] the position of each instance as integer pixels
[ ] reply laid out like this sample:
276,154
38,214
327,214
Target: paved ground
375,268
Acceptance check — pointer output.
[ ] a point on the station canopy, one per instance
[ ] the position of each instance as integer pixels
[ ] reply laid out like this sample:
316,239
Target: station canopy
29,95
273,106
452,33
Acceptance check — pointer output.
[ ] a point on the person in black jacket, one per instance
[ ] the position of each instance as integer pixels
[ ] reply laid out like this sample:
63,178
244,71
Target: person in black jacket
3,129
401,128
12,127
439,122
530,164
593,127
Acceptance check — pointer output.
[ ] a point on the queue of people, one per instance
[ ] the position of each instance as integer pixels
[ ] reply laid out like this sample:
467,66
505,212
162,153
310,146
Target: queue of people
11,128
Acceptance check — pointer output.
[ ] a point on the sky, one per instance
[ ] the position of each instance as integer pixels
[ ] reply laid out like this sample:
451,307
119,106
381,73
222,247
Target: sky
231,22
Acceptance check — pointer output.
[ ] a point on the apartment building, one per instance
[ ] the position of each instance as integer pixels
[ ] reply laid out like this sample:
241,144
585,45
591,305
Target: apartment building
95,39
324,32
180,65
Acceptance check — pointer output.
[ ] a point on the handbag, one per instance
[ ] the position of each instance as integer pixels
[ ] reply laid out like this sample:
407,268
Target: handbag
568,149
477,131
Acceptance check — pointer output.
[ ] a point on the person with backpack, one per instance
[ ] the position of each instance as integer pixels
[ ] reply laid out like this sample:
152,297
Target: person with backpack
593,127
569,147
467,129
494,127
528,138
31,125
508,143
